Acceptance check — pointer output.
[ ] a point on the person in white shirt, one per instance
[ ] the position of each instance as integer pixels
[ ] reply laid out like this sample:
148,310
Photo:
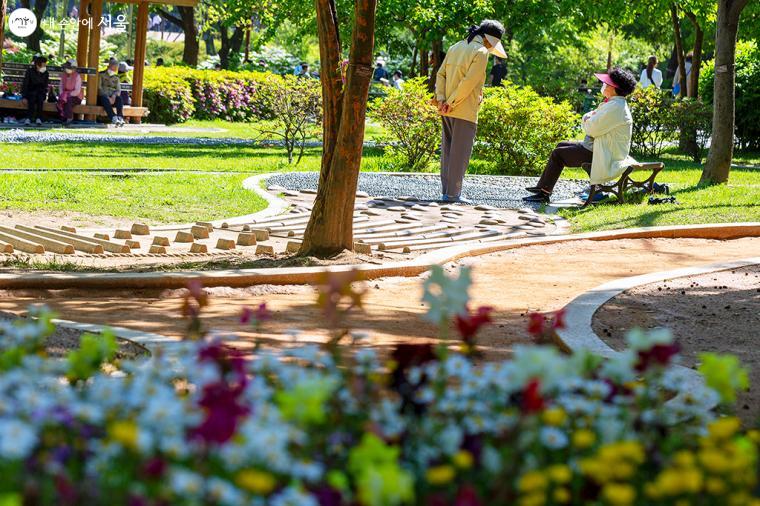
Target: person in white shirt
398,80
651,75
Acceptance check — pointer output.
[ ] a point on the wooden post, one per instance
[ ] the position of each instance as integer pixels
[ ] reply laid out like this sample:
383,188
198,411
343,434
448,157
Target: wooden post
141,40
93,58
84,33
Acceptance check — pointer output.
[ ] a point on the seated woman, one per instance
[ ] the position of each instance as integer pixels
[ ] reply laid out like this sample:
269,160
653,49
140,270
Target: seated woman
70,92
34,89
607,143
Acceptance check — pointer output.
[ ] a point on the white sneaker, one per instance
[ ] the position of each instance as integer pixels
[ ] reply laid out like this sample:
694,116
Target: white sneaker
115,120
27,121
38,122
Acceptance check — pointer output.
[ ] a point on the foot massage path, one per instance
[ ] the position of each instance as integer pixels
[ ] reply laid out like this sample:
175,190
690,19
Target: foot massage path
536,278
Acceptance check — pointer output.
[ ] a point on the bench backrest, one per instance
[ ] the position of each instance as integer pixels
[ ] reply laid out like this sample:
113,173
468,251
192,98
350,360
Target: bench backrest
14,73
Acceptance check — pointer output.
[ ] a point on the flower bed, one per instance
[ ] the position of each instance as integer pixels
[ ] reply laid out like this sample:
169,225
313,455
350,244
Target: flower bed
337,425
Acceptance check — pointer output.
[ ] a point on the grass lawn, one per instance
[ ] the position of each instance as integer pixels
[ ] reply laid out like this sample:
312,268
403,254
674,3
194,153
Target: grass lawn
157,198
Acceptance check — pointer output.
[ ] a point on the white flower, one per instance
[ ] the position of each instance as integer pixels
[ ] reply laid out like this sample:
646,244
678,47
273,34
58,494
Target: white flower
644,340
186,483
553,438
293,497
446,296
223,492
17,439
619,367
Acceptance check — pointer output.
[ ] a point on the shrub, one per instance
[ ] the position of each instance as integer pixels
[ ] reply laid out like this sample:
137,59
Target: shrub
412,121
311,426
168,96
297,104
653,124
518,128
694,118
747,93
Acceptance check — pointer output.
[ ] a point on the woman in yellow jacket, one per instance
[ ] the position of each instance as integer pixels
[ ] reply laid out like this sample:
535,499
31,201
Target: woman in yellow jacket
459,92
608,139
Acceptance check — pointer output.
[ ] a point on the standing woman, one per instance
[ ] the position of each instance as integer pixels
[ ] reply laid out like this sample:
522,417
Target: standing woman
459,92
70,92
34,89
651,76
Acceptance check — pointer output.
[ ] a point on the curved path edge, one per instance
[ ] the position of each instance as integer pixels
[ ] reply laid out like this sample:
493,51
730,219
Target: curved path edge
311,275
578,333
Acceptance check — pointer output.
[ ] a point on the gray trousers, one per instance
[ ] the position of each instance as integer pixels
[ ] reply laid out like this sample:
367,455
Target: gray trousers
456,149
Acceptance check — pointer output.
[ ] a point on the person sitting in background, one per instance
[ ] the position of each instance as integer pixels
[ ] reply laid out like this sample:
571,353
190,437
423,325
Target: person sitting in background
305,73
380,73
109,93
398,80
34,89
498,72
651,75
125,77
70,92
607,143
160,62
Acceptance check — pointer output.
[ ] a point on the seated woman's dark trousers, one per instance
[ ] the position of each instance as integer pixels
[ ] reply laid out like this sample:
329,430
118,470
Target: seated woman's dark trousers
35,99
566,154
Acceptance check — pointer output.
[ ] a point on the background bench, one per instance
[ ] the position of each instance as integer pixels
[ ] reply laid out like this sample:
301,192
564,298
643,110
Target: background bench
626,182
14,73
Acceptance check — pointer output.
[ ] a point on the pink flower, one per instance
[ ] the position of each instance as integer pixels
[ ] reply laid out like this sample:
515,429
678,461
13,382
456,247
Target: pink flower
255,316
536,322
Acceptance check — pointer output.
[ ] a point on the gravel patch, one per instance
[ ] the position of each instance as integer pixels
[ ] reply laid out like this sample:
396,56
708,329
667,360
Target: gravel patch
499,191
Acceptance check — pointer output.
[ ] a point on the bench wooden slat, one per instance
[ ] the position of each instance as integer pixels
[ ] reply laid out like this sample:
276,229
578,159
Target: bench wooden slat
22,67
129,111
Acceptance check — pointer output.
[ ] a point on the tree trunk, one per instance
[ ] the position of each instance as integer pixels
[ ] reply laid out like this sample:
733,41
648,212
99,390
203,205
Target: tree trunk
330,228
679,49
437,61
424,63
190,29
696,62
721,153
33,41
208,39
230,45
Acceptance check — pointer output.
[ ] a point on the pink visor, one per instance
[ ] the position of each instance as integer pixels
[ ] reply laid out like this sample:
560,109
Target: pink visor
605,78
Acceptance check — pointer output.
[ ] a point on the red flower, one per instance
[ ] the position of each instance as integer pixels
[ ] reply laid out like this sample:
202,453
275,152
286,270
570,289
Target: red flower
255,316
559,319
659,354
467,496
536,322
469,325
532,401
154,468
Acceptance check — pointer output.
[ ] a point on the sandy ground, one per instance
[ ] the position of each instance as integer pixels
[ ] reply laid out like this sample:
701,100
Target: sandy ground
717,312
538,278
59,218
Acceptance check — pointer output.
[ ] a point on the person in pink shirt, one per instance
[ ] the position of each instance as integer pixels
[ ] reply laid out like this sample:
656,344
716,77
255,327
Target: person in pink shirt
70,92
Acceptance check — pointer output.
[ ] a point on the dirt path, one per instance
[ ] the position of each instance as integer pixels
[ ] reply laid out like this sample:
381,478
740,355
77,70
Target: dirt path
539,278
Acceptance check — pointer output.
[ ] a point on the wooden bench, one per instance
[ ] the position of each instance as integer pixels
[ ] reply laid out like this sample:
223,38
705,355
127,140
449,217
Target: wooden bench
14,73
625,182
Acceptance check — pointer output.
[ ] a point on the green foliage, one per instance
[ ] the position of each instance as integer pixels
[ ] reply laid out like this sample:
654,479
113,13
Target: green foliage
93,352
519,128
724,374
694,119
653,124
747,92
297,107
168,96
412,122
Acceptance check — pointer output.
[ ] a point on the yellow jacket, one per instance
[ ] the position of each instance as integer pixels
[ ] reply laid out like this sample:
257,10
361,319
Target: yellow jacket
460,79
611,126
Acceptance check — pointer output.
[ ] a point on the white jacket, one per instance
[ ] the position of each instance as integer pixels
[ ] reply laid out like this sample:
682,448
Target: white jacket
611,126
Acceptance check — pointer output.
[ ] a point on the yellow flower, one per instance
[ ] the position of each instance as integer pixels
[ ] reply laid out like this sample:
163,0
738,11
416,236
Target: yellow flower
715,486
692,480
623,470
532,481
596,469
684,459
669,483
714,461
583,438
619,494
560,474
124,432
632,450
258,482
536,499
554,417
724,428
754,436
561,495
463,459
440,475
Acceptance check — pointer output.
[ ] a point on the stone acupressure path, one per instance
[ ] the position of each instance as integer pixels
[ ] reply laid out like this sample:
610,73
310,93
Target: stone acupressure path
497,191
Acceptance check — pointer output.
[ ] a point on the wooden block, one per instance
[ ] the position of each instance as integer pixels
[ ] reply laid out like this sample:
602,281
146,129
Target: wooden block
122,234
157,250
225,244
105,237
160,241
206,224
69,229
198,248
225,225
261,235
293,246
199,232
265,249
184,237
133,244
246,228
362,249
139,229
246,239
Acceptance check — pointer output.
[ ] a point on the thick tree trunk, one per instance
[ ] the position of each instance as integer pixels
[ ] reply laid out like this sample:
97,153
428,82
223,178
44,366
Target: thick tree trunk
230,45
424,63
186,22
330,228
696,62
33,41
721,153
679,48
